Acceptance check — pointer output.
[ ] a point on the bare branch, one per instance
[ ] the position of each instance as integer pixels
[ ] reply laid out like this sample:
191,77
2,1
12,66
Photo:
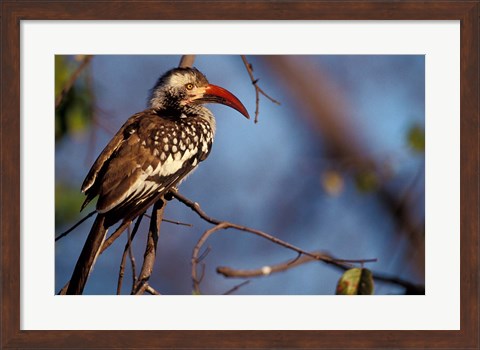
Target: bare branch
196,250
151,248
177,222
258,90
237,287
299,260
186,61
75,226
149,289
128,250
303,256
204,254
108,242
410,288
132,261
194,206
122,266
172,221
268,270
224,225
85,61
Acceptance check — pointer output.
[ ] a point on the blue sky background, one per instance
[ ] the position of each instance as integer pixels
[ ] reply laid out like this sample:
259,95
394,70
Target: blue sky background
266,175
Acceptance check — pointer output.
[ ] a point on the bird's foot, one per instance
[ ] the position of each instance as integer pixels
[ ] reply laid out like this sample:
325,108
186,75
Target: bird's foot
169,195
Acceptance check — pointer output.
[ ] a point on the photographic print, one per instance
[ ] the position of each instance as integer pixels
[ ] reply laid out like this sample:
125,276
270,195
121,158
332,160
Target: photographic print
356,173
240,174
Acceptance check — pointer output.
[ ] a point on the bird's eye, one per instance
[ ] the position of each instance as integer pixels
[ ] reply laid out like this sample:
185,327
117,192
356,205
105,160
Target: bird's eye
189,86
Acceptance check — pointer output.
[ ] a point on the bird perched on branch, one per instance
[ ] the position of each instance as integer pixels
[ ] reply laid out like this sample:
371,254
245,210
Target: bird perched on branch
150,154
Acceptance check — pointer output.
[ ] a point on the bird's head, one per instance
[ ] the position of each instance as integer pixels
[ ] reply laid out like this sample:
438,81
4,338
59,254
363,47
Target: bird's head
184,88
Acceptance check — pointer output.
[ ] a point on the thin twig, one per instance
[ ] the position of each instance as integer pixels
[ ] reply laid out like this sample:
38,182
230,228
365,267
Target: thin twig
357,261
224,224
132,261
151,247
86,60
108,242
177,222
237,287
122,266
202,274
124,255
196,280
186,61
204,254
268,270
74,226
258,89
410,287
195,207
149,289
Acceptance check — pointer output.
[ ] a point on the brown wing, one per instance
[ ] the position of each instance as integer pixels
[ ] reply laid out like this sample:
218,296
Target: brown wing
91,183
150,158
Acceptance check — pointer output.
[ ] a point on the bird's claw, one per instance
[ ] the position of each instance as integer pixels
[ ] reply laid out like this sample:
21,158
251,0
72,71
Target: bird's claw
169,195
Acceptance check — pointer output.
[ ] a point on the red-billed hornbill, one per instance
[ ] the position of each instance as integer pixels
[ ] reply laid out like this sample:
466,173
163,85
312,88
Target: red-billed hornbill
151,153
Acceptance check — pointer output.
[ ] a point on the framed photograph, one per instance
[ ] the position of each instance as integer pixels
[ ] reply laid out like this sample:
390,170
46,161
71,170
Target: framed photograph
345,161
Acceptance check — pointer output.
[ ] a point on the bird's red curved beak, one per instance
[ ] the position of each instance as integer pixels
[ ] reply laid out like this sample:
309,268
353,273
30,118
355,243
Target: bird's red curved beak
217,94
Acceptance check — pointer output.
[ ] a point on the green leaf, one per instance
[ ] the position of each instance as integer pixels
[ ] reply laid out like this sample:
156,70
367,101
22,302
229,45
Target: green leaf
68,201
74,113
366,181
356,281
63,70
416,139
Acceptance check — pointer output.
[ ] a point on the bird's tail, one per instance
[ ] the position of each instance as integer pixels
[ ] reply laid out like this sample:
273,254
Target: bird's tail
89,254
